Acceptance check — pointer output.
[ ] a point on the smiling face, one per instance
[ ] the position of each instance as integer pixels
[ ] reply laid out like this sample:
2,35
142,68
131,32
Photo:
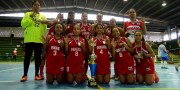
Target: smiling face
138,36
76,30
132,13
99,29
58,29
115,33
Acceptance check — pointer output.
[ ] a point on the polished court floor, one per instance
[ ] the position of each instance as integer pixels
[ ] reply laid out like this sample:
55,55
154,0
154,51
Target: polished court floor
11,72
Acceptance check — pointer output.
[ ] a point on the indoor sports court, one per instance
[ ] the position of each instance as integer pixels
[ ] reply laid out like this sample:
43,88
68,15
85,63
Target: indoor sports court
44,41
11,72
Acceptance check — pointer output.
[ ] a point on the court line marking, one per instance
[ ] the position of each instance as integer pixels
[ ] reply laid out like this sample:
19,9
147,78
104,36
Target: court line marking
8,81
13,69
99,87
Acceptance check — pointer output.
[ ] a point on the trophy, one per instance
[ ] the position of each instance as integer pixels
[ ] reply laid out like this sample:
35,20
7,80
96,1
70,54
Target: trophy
92,65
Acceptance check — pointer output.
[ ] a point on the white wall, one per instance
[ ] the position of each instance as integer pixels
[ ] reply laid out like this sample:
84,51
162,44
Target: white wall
154,36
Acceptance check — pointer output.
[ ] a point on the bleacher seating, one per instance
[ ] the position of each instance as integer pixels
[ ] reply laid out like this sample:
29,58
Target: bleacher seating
7,46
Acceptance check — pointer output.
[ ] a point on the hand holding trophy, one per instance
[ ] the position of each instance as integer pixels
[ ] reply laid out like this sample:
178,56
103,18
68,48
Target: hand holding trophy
92,65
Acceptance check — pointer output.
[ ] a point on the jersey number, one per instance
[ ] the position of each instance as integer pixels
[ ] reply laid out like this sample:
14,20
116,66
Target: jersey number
54,53
76,53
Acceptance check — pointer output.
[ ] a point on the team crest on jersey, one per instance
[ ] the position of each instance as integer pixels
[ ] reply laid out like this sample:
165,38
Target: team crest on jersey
62,69
148,69
130,68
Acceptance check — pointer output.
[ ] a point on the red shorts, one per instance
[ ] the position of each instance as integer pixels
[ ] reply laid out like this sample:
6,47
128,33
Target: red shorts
123,68
59,69
145,67
74,68
103,68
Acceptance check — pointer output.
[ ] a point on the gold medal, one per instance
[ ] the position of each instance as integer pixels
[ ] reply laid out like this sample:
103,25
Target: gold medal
59,41
120,54
79,44
104,42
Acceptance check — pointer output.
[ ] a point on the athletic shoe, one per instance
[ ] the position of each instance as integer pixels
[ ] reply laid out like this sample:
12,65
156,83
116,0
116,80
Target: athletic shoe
176,67
156,78
41,75
37,77
23,79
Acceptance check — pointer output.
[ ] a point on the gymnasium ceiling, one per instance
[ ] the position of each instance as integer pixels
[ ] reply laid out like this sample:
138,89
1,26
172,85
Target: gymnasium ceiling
159,17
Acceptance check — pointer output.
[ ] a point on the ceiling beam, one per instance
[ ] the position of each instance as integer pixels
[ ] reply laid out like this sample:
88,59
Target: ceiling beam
7,4
149,1
134,5
65,3
162,8
125,6
85,3
174,20
54,2
16,4
24,4
170,17
44,3
148,9
105,5
95,4
168,12
115,5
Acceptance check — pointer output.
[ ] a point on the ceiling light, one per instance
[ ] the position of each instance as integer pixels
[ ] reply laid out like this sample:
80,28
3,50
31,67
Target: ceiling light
125,0
164,3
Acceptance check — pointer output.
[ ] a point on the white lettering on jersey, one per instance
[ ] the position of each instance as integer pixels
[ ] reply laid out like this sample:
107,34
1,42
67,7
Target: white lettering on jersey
120,49
102,47
75,49
55,48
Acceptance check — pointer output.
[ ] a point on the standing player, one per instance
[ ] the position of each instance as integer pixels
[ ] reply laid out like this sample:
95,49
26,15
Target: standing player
124,62
70,24
53,56
143,54
74,49
101,50
33,38
163,53
99,21
134,25
14,54
85,33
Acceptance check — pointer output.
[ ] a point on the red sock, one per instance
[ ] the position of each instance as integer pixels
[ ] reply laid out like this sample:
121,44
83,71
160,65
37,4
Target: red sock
41,69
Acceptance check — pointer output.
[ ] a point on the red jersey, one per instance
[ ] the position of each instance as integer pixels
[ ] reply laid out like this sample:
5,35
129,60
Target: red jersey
15,53
51,30
124,62
55,58
132,27
102,60
109,31
74,61
146,64
86,33
70,29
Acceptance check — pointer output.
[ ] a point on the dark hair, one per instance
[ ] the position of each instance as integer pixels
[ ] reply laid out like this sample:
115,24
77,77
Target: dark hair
141,34
34,1
96,27
68,20
62,27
